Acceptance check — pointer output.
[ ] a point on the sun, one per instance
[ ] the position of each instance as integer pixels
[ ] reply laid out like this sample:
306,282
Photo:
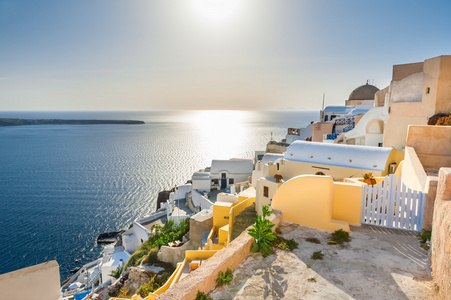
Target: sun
216,10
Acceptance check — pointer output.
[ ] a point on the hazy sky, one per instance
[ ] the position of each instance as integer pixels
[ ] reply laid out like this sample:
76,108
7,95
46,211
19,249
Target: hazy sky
208,54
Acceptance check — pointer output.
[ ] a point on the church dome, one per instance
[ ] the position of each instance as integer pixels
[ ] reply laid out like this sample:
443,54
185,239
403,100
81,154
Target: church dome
363,92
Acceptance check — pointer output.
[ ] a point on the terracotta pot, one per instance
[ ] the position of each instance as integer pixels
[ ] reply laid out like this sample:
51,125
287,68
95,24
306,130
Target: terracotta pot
370,181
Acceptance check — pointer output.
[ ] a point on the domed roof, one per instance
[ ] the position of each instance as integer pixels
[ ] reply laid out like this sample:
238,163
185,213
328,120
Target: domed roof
363,92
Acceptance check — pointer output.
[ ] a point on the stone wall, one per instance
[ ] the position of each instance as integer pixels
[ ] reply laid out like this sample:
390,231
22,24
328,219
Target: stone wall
203,279
441,237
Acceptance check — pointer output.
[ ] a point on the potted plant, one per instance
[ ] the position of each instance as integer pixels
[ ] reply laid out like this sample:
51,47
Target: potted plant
369,179
278,177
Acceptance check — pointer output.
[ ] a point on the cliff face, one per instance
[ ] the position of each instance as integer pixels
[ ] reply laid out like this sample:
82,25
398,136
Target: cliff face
17,122
163,196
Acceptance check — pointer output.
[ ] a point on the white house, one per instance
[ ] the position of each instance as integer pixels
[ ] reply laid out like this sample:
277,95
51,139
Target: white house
369,131
134,237
223,173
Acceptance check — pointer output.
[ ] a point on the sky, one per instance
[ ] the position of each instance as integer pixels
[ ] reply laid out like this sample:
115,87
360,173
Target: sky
208,54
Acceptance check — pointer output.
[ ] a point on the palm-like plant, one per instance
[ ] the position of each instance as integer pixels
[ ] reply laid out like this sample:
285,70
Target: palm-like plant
262,233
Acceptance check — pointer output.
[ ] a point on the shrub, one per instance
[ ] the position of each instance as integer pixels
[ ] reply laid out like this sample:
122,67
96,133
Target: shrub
312,279
317,255
434,119
424,237
444,121
340,236
224,278
313,240
284,244
201,296
117,273
262,233
162,235
148,287
123,292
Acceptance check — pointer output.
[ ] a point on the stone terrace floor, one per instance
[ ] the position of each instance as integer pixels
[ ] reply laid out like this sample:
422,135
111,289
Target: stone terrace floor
378,263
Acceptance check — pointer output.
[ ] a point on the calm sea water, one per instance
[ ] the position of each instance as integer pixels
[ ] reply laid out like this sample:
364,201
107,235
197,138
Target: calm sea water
62,185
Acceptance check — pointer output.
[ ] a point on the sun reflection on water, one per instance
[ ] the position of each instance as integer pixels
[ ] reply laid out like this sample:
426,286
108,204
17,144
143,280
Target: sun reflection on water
222,132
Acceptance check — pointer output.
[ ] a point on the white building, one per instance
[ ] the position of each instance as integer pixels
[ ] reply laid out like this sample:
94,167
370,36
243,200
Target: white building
134,237
223,173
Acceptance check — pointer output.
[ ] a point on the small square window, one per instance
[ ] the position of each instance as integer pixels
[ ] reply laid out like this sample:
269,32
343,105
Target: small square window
265,191
231,180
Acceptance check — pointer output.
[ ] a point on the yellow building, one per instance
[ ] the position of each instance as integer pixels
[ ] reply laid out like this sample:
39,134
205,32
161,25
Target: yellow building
337,161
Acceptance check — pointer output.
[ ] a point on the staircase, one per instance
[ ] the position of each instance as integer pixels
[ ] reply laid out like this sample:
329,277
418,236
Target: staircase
243,220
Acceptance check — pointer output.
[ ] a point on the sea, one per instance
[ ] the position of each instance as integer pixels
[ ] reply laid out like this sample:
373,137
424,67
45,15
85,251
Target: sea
63,185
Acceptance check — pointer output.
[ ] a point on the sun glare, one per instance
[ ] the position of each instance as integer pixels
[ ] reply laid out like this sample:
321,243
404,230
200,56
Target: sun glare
216,10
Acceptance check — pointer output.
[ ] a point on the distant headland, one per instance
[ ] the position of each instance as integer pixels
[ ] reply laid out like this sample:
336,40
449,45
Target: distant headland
17,122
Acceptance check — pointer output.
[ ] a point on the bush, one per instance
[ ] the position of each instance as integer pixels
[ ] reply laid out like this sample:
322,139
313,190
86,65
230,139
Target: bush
162,235
148,287
262,233
284,244
201,296
435,118
444,121
317,255
117,273
224,278
425,236
313,240
340,236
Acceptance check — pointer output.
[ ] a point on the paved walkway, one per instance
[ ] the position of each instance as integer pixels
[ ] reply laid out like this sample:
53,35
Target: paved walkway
378,264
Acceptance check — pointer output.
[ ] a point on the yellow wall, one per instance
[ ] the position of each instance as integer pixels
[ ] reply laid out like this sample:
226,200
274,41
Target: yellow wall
432,144
221,214
347,202
272,188
223,235
308,200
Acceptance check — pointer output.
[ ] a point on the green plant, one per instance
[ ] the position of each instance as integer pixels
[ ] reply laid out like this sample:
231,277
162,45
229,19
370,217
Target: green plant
201,296
313,240
340,236
317,255
368,175
424,237
117,273
162,235
123,292
281,243
312,279
308,266
444,121
262,233
331,242
224,278
148,287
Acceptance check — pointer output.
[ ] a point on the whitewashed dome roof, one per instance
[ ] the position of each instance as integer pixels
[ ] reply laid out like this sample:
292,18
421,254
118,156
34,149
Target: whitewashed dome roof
349,156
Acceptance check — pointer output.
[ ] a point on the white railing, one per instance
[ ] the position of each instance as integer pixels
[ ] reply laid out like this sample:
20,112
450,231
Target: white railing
391,204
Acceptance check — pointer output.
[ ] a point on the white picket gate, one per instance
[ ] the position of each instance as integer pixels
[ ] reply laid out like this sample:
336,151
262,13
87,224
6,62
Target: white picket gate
391,204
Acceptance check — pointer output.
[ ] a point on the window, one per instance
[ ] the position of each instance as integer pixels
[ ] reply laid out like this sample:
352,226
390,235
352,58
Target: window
223,175
428,90
278,167
320,173
231,181
216,181
326,118
265,191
